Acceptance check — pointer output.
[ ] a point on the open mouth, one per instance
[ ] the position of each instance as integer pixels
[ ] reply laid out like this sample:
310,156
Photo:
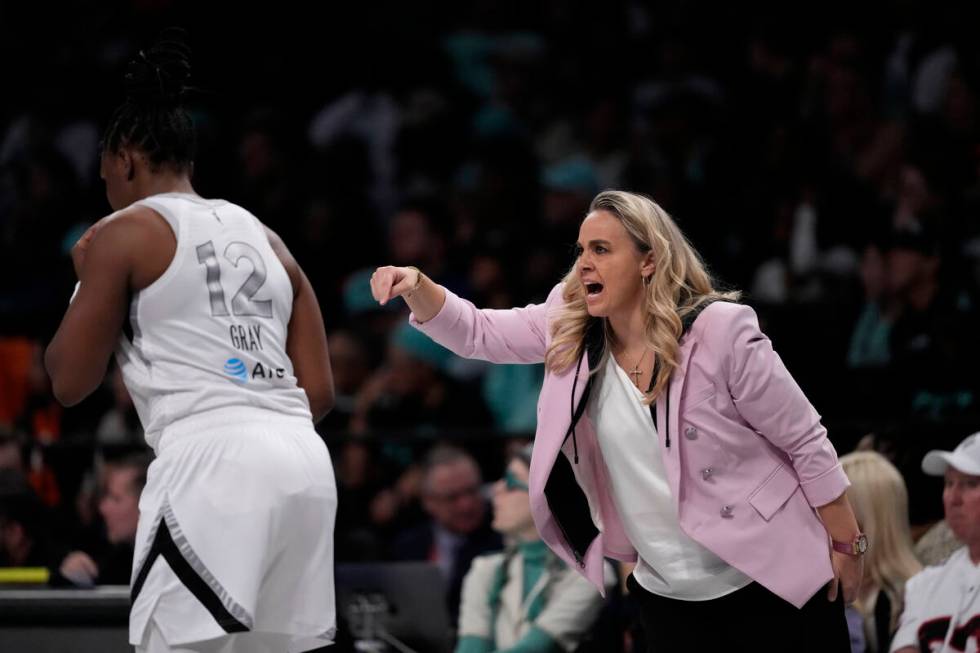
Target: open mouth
593,288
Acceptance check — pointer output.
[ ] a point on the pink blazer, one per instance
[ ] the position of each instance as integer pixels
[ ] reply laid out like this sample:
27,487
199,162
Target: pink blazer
747,461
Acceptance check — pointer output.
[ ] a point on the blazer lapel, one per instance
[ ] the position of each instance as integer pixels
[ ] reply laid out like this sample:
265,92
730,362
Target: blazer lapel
595,342
686,349
671,455
677,380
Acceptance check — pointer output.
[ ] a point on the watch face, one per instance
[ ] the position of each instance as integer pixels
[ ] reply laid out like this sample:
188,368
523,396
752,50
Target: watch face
861,544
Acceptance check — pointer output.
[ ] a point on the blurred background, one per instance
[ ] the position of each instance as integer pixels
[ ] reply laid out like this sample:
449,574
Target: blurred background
823,157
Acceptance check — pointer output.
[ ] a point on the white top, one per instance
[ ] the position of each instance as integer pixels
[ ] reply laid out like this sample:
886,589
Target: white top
571,606
942,608
211,331
670,563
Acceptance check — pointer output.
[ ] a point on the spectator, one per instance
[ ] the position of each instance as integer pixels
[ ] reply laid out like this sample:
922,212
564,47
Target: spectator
351,367
932,344
880,502
24,540
942,603
869,339
525,598
373,322
123,482
417,234
458,528
413,390
360,477
936,544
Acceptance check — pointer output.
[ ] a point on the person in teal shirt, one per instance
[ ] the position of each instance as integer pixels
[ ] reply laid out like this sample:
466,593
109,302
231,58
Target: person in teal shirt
524,599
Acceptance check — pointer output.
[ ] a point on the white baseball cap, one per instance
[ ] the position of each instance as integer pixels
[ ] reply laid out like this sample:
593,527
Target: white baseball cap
965,458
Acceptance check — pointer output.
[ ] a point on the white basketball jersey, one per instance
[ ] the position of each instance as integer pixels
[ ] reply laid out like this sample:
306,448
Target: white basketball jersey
210,333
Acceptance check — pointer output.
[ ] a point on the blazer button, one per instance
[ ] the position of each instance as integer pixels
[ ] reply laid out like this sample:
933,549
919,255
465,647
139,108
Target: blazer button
726,512
706,473
691,433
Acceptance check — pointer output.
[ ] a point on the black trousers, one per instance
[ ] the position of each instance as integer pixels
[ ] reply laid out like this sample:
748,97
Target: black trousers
750,619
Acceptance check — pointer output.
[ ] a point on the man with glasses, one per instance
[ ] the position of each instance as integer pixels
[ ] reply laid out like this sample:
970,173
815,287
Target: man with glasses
458,528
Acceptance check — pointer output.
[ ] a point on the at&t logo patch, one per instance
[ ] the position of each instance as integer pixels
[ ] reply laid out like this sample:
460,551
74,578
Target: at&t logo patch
235,368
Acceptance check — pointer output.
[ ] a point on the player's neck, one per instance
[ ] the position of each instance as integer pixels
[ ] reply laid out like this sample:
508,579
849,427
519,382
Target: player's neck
974,552
159,184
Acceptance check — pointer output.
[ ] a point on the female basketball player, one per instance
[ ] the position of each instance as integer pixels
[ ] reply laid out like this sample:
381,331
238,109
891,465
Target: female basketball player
222,347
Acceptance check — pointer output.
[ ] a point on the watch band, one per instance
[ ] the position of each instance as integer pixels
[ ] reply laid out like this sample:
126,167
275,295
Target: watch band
843,547
856,547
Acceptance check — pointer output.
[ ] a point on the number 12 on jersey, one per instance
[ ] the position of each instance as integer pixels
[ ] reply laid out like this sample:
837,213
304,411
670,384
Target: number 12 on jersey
242,303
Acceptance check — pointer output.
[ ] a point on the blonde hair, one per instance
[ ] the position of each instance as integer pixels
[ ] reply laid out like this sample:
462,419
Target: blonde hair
881,505
679,285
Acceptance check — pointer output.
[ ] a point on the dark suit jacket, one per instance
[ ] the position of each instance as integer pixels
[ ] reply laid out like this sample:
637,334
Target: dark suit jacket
416,544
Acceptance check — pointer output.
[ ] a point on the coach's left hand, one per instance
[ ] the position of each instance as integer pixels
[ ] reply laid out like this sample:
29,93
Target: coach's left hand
848,572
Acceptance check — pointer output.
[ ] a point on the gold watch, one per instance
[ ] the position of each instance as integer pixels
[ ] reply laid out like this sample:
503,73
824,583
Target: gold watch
856,547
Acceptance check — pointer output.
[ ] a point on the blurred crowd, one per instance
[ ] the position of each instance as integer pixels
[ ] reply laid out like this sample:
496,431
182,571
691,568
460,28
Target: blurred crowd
827,163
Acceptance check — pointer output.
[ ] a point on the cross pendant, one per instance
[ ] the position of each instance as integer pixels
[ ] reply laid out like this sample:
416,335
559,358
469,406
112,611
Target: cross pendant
636,373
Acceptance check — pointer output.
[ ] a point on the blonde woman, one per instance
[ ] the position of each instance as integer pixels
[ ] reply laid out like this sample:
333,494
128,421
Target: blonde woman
669,433
881,505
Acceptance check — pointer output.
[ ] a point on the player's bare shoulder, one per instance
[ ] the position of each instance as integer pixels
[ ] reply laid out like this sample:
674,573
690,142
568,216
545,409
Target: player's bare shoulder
146,236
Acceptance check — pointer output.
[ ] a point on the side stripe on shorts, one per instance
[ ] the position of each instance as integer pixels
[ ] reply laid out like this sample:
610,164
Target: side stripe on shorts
163,544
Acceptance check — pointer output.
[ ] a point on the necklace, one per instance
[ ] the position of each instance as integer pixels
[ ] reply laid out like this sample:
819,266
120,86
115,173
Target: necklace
636,372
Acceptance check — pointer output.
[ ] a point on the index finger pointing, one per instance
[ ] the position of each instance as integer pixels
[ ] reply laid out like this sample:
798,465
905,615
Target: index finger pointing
376,286
382,281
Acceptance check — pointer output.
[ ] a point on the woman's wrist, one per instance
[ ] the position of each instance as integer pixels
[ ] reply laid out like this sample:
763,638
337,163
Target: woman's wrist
419,276
838,519
425,297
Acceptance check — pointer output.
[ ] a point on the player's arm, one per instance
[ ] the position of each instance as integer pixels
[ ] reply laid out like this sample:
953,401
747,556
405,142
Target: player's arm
306,339
78,355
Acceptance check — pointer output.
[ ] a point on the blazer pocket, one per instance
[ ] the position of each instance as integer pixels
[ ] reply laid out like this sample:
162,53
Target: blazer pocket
774,492
693,401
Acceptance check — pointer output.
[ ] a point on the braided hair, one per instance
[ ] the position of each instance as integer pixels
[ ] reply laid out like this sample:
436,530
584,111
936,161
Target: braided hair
152,119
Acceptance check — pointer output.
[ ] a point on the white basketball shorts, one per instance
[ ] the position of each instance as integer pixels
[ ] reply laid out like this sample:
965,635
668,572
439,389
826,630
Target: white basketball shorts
236,532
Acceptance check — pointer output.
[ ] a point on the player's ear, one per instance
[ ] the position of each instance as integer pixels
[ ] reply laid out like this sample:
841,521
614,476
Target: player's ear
127,162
